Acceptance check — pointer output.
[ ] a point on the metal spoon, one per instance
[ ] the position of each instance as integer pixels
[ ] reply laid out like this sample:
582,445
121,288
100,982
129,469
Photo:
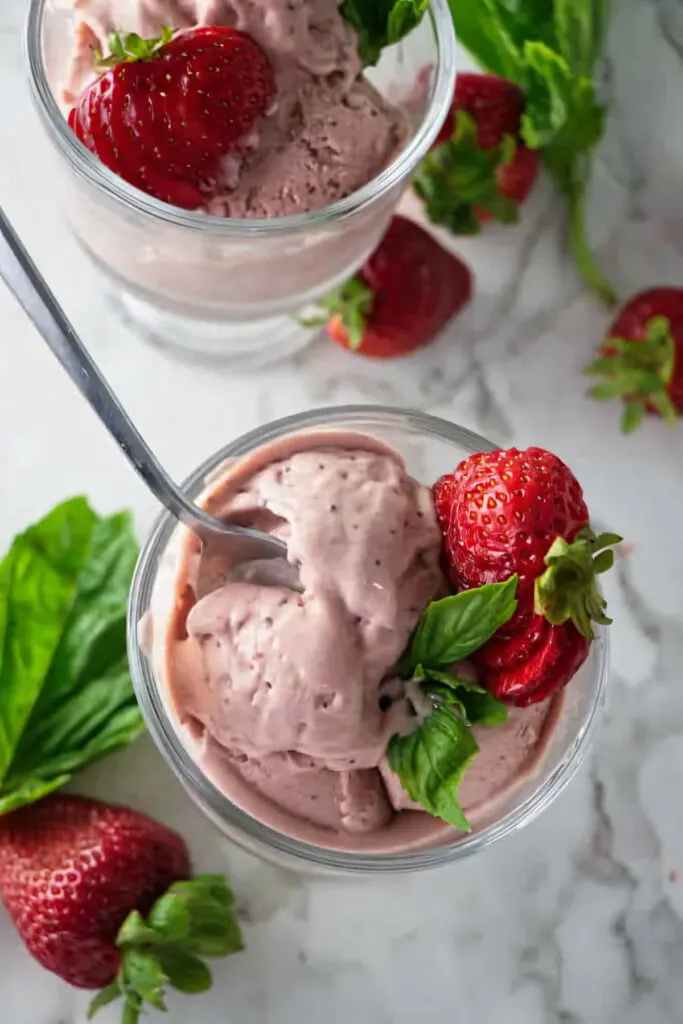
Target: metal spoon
30,289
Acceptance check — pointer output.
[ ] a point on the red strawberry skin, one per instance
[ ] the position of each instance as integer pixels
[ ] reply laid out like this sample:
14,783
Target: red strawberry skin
164,123
417,286
496,106
631,324
499,514
71,870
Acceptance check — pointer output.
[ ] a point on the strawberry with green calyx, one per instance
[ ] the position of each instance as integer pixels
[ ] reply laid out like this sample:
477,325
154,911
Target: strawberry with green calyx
567,590
550,52
513,512
642,358
102,896
479,169
165,111
400,298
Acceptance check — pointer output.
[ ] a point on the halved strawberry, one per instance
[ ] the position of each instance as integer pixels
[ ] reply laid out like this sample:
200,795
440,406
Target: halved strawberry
165,111
522,513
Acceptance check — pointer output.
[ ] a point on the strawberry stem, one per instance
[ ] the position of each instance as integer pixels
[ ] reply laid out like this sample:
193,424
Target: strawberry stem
586,262
192,920
129,47
568,590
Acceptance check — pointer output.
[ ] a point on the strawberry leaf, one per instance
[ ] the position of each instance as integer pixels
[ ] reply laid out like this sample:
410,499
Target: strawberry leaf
352,303
145,975
103,998
458,177
639,372
135,932
632,416
129,48
185,972
170,918
567,590
192,919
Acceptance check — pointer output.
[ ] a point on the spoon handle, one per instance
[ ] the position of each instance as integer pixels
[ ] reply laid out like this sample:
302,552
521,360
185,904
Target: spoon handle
24,280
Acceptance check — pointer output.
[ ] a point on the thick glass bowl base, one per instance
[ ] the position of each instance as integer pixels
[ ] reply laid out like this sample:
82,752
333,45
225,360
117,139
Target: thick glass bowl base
247,345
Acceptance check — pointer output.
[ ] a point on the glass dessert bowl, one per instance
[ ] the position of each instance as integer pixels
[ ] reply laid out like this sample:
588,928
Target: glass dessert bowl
407,839
232,287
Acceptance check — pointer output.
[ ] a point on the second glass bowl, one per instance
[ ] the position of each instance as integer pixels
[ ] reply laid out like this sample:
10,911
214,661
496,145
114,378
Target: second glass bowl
430,448
219,287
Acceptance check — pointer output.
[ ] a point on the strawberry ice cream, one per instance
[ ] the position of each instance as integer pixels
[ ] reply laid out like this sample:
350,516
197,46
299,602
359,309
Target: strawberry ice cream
328,132
288,698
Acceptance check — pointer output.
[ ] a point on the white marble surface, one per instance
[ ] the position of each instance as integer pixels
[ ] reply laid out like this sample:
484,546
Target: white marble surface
578,919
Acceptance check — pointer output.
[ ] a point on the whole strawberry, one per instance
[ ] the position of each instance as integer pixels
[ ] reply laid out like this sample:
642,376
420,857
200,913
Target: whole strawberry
78,876
165,111
479,168
523,512
401,298
642,358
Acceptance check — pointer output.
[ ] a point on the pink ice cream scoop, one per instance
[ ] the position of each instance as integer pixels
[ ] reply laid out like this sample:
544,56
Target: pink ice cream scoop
282,672
329,131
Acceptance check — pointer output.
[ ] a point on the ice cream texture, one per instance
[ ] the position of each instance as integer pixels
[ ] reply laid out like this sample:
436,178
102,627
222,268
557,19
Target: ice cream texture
329,131
288,698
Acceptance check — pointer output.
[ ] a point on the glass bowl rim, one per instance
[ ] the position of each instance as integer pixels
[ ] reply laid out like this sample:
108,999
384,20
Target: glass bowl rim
168,742
89,167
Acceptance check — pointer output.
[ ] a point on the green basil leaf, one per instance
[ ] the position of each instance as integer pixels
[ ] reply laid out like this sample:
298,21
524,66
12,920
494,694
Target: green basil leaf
580,29
94,636
453,628
29,791
483,708
431,762
379,23
38,582
441,693
404,16
474,31
80,705
448,679
478,706
562,110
